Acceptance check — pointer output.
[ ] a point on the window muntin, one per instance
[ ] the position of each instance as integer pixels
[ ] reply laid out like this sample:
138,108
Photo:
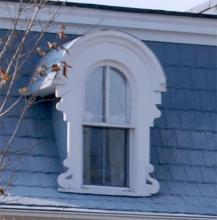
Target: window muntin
106,129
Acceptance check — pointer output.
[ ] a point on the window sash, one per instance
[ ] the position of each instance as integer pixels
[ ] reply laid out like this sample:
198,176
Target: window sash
108,98
110,91
106,156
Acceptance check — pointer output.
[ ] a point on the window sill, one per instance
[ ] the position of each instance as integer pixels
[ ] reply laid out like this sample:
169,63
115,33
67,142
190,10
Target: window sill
103,190
101,124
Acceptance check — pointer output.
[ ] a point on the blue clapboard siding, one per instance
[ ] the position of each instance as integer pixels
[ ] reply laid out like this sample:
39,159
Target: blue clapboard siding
183,142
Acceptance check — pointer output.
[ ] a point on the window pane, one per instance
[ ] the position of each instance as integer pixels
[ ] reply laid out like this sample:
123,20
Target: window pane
93,155
105,156
117,97
116,157
94,96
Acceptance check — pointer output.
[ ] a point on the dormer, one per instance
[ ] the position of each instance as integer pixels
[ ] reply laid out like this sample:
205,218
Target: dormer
109,104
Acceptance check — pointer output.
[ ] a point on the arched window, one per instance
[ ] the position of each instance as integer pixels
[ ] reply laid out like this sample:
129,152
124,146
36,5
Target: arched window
106,128
109,102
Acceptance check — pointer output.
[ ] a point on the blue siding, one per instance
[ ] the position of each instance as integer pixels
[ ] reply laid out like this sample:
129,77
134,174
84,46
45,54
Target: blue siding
183,142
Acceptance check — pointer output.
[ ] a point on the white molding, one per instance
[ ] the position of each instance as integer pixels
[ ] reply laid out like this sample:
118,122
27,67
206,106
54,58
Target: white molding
23,213
146,80
152,27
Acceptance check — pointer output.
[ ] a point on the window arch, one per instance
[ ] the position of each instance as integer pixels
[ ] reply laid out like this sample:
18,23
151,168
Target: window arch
103,122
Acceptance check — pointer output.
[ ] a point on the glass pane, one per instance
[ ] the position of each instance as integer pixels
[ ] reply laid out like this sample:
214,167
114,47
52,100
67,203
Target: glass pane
93,156
116,157
117,97
105,156
94,95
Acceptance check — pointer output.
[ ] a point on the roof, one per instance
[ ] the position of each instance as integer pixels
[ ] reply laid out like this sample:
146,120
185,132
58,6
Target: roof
126,9
183,144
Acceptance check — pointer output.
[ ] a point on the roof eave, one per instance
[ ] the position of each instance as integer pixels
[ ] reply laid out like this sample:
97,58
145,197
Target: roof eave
48,213
126,9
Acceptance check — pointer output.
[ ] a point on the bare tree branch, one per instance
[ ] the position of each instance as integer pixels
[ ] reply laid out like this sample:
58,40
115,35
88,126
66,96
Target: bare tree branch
14,45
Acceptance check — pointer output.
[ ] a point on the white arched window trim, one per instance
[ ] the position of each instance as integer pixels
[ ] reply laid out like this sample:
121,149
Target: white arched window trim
146,79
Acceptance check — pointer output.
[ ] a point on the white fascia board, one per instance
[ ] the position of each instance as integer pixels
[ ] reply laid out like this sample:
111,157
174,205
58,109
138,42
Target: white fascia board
35,214
151,27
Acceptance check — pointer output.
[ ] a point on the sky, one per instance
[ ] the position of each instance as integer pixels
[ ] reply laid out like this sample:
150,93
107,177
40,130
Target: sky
170,5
